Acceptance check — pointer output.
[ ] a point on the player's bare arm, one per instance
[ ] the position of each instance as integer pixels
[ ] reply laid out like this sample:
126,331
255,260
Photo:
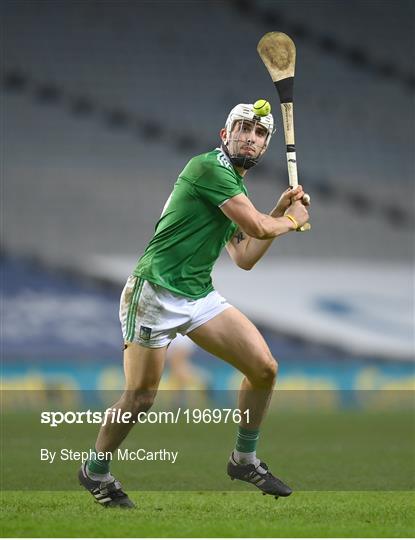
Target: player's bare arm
257,230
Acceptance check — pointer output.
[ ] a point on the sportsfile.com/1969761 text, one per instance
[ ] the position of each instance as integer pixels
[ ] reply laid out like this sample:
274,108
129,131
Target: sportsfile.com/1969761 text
114,416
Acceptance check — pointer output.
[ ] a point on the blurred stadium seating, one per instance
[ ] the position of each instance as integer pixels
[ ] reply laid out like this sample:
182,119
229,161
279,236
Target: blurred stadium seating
110,105
61,330
104,102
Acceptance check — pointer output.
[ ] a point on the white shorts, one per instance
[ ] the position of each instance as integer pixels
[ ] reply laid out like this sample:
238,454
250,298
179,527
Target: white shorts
152,315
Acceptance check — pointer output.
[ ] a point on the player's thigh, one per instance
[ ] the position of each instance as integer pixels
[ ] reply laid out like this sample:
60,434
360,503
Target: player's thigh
143,367
232,337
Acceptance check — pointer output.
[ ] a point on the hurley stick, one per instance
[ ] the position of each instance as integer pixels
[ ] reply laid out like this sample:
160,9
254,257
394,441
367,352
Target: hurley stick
277,51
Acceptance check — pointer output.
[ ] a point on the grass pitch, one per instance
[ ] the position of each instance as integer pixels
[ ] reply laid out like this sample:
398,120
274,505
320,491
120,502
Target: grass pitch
360,465
211,514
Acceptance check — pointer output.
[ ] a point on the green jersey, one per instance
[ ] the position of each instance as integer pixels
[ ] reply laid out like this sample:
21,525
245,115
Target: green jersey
192,229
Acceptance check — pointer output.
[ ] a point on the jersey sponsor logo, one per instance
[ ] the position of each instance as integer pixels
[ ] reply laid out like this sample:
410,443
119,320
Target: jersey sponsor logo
145,333
224,160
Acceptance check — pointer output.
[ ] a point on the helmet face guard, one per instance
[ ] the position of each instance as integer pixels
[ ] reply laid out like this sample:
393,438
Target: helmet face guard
247,119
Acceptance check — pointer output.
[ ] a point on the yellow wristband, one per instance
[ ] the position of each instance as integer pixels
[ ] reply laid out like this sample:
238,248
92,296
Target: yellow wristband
293,220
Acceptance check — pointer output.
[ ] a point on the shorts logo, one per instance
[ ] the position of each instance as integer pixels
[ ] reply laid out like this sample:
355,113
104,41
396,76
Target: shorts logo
145,333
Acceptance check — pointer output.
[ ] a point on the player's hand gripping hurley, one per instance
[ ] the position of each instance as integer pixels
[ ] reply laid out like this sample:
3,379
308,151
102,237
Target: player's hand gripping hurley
277,51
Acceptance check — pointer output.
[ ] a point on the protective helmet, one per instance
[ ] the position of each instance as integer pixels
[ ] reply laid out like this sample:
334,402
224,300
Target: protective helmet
245,111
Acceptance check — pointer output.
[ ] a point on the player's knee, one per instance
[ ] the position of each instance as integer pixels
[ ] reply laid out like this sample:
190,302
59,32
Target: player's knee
270,371
137,401
267,372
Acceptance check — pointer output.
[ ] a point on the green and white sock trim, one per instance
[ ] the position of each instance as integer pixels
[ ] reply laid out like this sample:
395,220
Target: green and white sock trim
98,466
247,440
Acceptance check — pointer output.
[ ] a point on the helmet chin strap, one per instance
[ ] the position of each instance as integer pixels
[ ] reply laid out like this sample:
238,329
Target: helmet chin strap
240,161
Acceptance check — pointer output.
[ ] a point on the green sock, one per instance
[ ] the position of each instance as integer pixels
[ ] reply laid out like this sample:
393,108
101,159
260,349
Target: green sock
98,466
247,440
